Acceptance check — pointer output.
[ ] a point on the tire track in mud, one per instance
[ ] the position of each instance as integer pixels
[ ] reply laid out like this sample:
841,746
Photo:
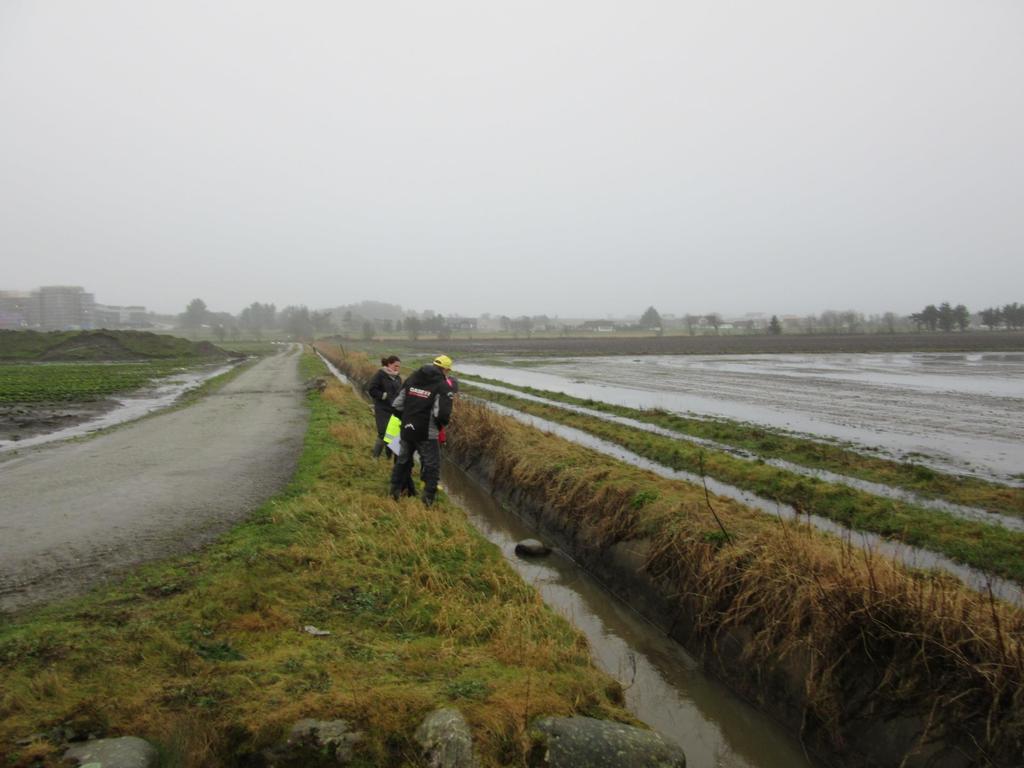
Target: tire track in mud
75,515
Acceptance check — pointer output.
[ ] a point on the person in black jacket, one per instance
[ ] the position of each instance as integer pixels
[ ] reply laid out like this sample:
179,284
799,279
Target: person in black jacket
425,405
383,389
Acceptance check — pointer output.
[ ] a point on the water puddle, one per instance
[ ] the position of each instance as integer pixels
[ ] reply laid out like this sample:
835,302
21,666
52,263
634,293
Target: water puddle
665,686
968,513
909,556
160,394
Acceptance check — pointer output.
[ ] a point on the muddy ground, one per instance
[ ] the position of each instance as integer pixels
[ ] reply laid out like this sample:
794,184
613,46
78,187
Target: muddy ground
21,421
74,515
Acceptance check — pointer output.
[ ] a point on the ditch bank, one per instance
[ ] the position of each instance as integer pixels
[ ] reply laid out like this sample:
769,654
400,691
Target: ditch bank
850,669
869,663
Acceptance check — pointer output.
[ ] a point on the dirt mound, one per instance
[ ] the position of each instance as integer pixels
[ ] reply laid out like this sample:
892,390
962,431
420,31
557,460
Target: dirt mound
101,346
91,346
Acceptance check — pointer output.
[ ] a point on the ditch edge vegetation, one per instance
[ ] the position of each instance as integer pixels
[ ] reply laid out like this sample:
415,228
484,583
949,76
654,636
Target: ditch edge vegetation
988,547
206,655
868,662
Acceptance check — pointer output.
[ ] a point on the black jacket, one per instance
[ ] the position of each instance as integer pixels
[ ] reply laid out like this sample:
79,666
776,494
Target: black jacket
383,389
425,403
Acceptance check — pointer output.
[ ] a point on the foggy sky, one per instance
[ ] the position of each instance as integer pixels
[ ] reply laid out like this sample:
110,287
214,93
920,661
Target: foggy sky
572,158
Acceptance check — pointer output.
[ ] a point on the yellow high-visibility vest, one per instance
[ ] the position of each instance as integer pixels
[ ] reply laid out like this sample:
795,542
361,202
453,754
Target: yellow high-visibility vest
393,428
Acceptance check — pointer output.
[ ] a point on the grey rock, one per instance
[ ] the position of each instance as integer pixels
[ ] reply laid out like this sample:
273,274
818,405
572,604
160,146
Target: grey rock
563,742
123,752
317,739
532,548
446,740
319,384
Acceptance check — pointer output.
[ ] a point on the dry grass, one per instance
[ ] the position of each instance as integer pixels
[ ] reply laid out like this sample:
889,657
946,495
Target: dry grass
780,608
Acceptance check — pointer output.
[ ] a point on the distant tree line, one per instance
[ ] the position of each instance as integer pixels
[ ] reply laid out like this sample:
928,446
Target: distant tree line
944,317
257,318
371,318
1009,316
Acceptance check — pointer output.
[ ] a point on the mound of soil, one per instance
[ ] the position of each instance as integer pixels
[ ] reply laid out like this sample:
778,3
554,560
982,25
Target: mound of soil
101,346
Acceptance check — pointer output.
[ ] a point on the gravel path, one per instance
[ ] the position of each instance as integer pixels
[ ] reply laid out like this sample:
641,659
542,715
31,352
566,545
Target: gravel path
75,514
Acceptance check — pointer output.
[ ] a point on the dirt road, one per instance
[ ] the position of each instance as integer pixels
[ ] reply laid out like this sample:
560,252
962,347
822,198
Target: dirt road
76,514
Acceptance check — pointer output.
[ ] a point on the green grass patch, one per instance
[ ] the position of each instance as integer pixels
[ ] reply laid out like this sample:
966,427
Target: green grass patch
71,382
206,655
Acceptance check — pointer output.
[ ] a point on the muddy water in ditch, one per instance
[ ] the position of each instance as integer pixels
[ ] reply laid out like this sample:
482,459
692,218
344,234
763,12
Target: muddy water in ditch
665,687
963,413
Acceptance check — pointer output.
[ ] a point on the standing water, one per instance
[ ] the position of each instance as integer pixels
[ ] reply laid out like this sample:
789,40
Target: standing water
954,412
664,686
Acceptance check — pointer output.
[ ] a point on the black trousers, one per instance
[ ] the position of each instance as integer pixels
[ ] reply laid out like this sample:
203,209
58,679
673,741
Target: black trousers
430,458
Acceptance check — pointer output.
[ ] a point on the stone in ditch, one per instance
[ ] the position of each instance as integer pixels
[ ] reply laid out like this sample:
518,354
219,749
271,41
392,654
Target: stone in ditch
316,739
123,752
446,740
532,548
562,742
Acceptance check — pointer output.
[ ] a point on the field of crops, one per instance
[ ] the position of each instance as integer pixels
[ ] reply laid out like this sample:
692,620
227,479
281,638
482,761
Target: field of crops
70,382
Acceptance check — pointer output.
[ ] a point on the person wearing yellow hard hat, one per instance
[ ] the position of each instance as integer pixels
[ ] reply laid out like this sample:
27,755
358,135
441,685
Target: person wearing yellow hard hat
424,405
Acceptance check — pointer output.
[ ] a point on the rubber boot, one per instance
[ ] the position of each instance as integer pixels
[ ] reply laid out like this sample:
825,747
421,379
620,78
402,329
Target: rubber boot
427,499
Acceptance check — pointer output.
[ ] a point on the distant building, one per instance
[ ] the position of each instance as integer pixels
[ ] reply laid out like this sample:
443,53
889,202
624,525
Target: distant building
456,323
15,310
114,317
488,324
600,326
64,307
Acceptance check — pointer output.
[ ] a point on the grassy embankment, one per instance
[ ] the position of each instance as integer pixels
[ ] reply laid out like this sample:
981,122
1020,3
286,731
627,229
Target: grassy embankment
988,547
837,642
814,454
205,655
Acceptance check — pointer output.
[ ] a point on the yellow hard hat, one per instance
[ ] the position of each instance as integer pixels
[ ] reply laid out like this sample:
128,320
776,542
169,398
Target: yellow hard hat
443,361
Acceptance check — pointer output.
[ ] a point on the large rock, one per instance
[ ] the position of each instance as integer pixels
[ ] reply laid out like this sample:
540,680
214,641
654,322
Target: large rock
532,548
314,743
446,740
565,742
123,752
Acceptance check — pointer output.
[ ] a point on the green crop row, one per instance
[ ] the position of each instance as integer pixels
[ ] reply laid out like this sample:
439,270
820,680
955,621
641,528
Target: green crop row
33,383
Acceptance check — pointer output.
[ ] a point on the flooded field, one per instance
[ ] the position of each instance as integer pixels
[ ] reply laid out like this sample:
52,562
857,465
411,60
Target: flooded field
36,424
956,412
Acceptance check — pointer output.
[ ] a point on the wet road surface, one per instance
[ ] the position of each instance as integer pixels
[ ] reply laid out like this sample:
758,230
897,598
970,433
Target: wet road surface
75,514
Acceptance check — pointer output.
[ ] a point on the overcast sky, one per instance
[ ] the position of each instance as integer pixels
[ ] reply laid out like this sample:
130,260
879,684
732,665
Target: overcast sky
572,158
